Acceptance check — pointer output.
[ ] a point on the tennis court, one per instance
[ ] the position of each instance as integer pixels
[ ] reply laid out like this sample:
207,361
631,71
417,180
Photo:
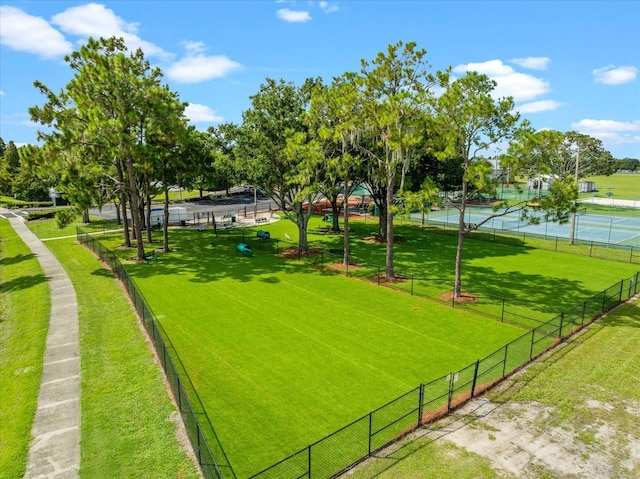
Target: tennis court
589,227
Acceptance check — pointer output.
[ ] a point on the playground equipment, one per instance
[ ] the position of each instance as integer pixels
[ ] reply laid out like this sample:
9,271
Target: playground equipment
263,235
244,248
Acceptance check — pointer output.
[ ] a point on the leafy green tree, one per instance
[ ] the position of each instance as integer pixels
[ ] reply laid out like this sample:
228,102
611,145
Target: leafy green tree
276,151
586,152
627,164
469,121
394,89
107,109
12,158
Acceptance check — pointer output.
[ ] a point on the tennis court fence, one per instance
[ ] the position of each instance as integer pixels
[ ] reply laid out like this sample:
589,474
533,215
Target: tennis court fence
594,249
353,443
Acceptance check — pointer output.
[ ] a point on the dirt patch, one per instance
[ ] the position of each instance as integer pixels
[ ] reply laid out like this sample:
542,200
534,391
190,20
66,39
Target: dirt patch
342,267
376,239
464,297
382,278
292,253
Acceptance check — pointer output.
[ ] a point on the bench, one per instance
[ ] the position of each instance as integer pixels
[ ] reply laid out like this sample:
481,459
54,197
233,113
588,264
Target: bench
262,220
226,221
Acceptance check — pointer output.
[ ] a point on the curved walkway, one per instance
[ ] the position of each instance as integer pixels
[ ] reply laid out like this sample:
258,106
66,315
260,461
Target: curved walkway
54,451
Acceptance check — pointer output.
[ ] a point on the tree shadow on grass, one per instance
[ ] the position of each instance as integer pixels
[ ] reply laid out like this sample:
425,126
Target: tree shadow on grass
11,260
23,282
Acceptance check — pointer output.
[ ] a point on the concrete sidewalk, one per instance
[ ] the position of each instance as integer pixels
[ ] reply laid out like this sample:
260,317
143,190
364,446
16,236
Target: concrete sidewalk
55,447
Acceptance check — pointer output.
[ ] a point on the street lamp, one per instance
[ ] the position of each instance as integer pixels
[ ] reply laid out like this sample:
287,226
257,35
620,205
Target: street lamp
575,201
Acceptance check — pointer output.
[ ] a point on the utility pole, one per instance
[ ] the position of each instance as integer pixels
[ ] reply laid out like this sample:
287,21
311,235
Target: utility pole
575,202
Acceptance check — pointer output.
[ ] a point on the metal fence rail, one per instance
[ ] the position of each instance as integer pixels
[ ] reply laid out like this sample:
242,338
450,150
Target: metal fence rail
351,444
357,441
208,449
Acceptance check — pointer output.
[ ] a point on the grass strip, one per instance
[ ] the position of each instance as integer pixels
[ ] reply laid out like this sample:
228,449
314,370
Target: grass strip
128,420
24,321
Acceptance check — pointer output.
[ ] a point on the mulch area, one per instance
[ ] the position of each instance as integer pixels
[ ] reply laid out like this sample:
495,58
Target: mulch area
293,252
375,239
464,298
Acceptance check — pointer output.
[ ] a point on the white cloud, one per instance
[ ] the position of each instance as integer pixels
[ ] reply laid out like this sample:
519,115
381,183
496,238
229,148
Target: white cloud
95,20
612,75
2,92
521,86
533,63
327,7
198,68
294,16
610,131
539,106
197,113
24,32
194,48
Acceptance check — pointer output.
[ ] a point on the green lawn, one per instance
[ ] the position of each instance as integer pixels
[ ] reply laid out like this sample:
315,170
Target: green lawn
128,421
24,321
567,382
282,354
624,186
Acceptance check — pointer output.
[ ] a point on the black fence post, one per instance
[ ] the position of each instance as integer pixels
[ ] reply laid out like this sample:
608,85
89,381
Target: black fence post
504,364
370,431
591,249
584,310
561,324
309,463
449,399
475,378
420,406
502,315
621,286
604,299
631,255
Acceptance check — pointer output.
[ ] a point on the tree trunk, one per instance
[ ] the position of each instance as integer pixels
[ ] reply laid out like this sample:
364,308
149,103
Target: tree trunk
148,219
389,257
165,223
346,225
116,205
382,222
125,220
135,208
85,216
335,221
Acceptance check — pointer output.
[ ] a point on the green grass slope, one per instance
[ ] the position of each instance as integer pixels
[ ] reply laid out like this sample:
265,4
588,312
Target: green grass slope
24,322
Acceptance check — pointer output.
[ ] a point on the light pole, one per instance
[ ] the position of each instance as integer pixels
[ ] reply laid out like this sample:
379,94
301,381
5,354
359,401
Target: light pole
575,201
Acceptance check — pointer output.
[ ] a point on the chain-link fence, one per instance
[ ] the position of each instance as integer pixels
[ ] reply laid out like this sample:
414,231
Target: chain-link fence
209,452
594,249
357,441
360,439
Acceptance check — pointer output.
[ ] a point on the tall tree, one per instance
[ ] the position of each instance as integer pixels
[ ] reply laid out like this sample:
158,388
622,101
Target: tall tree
107,108
275,118
395,88
469,121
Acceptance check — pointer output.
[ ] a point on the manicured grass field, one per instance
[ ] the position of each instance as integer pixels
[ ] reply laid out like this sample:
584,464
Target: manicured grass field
624,186
569,382
24,321
282,354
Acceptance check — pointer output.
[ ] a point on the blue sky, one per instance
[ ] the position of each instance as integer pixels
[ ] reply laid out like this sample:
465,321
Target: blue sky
569,65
